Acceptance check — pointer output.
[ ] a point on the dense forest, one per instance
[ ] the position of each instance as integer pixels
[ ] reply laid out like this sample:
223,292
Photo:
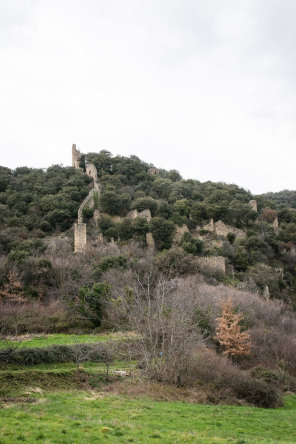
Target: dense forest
46,287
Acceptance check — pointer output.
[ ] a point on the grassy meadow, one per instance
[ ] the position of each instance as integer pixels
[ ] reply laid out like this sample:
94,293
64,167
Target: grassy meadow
49,403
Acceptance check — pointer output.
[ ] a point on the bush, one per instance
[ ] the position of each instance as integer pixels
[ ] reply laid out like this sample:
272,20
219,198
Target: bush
191,245
175,262
53,354
227,380
162,231
118,262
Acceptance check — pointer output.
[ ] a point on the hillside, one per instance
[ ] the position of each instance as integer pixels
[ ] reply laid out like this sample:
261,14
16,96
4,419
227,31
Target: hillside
113,243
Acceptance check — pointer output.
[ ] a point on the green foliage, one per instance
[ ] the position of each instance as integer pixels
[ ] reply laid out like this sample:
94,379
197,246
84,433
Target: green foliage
90,302
231,237
41,200
118,262
162,231
288,232
241,261
52,354
143,203
164,209
87,212
125,229
114,203
175,262
191,245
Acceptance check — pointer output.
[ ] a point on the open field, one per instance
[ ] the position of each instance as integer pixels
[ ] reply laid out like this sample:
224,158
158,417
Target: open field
49,403
83,417
33,341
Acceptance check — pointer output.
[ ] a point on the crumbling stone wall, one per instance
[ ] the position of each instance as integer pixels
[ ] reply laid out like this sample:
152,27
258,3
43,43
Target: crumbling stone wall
132,214
275,223
80,228
253,204
76,157
79,237
150,241
221,229
179,233
146,214
91,171
153,171
217,263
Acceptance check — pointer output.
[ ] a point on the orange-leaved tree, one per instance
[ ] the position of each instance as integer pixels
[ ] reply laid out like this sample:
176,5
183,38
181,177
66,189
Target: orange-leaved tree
232,340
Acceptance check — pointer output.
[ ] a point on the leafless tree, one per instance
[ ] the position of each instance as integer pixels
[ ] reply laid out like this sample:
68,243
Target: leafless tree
164,320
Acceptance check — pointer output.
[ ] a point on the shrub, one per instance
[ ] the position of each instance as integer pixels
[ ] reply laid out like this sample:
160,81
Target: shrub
229,380
118,262
162,231
52,354
175,262
191,245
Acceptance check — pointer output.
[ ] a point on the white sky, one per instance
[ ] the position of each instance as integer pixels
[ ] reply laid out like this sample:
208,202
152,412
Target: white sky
206,87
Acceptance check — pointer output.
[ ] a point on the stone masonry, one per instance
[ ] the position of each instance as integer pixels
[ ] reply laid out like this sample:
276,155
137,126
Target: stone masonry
253,204
76,157
79,237
217,263
221,229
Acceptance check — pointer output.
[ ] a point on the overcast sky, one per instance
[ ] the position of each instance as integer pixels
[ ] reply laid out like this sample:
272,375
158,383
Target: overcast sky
206,87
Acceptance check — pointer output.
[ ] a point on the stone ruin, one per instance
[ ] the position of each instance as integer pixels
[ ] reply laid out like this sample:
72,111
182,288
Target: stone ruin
221,229
253,204
134,214
80,239
153,171
216,263
76,157
180,231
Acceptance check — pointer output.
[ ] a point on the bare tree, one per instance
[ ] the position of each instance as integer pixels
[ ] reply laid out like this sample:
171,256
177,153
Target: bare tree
164,320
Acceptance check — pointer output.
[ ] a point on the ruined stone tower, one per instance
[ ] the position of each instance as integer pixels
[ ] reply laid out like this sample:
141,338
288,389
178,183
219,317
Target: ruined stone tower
76,157
79,237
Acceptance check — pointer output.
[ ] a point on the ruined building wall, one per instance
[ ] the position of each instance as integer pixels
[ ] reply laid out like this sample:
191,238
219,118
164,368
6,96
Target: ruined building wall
180,231
253,205
91,171
76,157
217,263
79,237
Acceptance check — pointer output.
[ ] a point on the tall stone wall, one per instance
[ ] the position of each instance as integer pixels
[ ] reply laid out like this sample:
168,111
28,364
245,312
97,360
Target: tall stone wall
79,237
253,204
91,171
150,241
76,157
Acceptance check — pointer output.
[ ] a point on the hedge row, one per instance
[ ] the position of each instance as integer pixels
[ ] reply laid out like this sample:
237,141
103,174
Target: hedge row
55,354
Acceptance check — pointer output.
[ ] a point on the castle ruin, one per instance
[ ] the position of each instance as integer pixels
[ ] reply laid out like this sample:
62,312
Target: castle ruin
80,239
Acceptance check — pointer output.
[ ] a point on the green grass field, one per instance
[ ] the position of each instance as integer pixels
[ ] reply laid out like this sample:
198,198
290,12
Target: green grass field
81,417
63,339
48,403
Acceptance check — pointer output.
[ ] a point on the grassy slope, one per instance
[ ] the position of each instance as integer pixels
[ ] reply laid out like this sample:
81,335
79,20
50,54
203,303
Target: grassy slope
63,339
73,416
78,417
